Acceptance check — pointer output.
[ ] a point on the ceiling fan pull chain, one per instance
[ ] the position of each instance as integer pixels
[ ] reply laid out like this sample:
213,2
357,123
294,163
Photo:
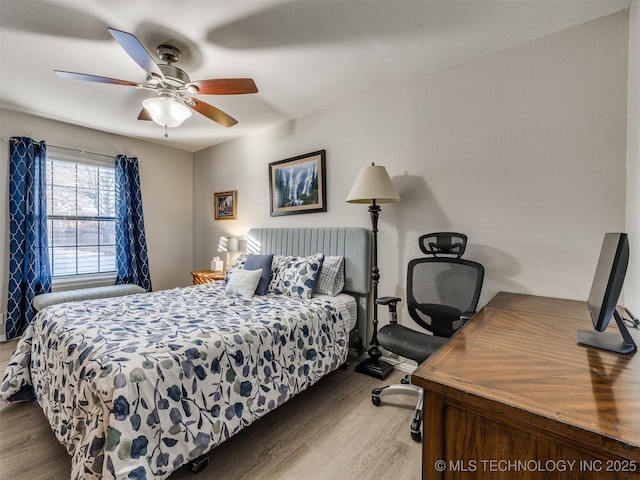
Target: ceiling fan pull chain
166,135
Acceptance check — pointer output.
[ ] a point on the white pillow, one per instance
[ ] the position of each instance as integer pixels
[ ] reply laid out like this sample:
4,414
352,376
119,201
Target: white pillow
243,282
331,279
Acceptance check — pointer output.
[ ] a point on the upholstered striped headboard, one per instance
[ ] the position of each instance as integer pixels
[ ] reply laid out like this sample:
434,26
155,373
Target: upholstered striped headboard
353,243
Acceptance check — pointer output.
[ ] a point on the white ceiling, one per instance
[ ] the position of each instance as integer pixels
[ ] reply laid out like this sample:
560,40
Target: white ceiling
304,55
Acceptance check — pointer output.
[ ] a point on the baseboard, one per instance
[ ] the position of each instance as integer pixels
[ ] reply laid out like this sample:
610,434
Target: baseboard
403,367
401,364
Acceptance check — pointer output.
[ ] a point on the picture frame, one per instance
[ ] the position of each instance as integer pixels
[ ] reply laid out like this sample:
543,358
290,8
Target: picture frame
298,184
224,205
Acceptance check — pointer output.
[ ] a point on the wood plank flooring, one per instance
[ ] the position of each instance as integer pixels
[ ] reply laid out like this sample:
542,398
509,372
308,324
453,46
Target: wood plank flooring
331,431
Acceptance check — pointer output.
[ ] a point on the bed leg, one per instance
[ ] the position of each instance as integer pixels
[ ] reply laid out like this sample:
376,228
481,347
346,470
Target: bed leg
199,463
344,366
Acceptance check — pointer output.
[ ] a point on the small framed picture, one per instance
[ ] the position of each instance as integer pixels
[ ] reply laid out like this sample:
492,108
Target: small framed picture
297,185
224,205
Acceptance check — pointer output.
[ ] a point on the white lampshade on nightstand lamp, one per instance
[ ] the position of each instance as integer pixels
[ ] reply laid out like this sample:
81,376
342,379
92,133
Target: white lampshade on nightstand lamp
228,245
373,186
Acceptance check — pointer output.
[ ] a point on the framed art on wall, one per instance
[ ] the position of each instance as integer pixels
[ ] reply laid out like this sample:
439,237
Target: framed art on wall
224,205
298,184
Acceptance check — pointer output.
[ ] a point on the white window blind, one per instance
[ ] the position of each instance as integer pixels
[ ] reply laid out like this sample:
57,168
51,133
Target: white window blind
80,216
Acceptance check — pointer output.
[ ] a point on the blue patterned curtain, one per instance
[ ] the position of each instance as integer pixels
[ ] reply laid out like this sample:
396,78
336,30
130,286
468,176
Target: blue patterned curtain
132,261
29,269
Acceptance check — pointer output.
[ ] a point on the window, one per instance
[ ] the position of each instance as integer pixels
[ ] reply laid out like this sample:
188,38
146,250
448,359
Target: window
80,216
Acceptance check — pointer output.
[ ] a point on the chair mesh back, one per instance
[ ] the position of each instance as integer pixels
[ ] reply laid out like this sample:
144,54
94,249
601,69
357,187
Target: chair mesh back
451,282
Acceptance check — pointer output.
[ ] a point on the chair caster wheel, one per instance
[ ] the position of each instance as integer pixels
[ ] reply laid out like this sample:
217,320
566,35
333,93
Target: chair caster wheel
375,395
416,434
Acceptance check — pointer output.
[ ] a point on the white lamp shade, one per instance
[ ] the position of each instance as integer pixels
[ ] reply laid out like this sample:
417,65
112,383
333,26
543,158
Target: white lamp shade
373,183
166,112
223,244
228,244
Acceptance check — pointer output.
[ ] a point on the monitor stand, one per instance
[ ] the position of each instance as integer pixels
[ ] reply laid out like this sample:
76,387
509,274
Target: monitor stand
609,341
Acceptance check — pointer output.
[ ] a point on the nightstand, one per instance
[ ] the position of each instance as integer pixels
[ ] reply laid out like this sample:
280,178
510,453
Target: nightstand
207,276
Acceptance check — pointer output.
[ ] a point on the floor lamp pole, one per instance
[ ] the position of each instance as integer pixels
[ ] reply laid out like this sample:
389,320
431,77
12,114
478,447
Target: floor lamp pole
373,365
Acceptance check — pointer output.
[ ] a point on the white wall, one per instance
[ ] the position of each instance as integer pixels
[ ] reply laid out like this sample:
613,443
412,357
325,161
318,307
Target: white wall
632,283
524,150
166,177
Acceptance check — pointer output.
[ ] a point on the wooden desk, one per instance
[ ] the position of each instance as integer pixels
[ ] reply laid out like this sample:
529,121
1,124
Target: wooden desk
513,396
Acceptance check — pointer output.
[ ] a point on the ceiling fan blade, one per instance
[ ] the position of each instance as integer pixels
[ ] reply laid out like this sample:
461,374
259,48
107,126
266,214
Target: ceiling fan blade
95,78
134,48
211,112
225,86
144,115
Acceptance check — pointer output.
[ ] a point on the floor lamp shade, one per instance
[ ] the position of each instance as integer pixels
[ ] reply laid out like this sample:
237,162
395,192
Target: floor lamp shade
373,186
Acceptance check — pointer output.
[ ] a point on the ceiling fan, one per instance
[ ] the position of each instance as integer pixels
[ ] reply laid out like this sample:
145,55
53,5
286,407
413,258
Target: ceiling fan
173,86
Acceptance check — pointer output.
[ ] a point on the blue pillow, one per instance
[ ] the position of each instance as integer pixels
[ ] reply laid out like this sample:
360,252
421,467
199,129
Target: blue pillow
257,262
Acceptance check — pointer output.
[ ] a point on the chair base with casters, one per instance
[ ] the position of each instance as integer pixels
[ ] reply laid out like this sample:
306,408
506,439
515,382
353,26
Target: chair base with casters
403,389
396,337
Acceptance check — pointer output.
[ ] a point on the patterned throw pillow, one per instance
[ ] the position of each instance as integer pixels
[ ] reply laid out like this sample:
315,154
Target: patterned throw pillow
295,276
331,278
238,264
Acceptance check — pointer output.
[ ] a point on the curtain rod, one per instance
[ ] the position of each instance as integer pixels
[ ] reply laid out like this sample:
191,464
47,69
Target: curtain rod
82,152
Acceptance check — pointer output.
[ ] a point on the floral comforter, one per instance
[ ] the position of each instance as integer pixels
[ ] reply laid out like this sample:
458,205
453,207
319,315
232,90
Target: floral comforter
136,386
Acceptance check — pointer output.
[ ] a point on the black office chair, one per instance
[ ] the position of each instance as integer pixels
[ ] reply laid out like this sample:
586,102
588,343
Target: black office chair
442,295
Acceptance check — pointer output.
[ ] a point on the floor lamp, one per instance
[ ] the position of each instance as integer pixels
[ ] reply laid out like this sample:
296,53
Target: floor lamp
373,186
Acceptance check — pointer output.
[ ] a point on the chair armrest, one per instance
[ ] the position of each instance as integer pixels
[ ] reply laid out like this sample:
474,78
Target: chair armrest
466,316
392,302
387,300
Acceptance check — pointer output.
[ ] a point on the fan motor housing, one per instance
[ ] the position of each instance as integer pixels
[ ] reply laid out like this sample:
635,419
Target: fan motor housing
174,76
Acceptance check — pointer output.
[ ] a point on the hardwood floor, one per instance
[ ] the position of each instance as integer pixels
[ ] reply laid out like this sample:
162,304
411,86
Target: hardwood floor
331,431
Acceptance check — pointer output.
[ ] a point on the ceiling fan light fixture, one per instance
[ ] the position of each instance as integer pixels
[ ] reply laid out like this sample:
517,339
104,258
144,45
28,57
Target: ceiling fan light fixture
166,112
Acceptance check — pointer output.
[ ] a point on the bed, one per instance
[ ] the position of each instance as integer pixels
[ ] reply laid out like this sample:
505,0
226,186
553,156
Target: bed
137,386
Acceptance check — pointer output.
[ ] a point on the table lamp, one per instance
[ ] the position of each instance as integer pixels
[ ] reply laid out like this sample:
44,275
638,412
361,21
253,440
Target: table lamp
228,245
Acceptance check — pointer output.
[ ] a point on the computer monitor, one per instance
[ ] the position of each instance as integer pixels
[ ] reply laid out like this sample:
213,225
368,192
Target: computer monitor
604,295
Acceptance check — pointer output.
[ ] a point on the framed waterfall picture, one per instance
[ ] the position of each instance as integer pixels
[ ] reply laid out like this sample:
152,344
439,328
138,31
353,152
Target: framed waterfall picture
297,185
